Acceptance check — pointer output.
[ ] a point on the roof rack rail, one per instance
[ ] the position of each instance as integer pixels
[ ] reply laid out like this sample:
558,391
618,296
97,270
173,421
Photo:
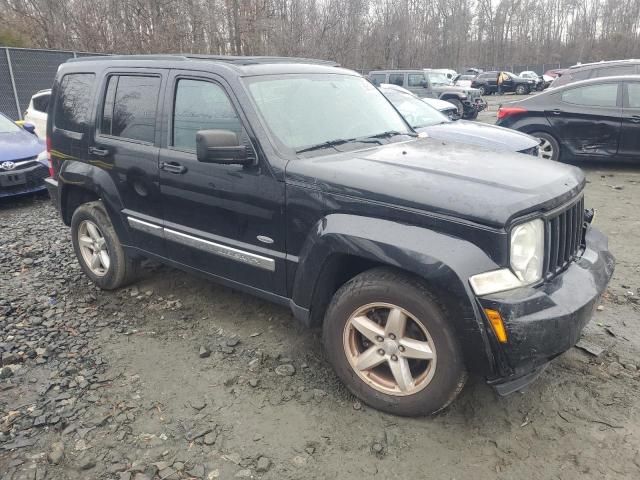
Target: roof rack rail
237,60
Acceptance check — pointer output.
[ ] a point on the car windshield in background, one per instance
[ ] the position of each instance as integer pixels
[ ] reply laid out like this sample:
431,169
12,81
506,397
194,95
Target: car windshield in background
437,78
7,126
417,113
307,112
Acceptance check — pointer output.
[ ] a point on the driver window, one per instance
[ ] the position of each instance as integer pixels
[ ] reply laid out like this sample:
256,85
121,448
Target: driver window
397,79
201,105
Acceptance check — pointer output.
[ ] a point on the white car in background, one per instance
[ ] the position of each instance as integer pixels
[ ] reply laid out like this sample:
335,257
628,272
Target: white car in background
444,107
37,112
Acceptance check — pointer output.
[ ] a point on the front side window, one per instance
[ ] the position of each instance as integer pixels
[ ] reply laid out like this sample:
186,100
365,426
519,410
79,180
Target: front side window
201,105
305,110
73,105
604,95
130,107
397,79
416,80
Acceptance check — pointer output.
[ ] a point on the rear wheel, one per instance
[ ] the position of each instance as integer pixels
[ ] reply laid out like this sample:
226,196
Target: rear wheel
391,344
549,148
522,90
483,90
98,249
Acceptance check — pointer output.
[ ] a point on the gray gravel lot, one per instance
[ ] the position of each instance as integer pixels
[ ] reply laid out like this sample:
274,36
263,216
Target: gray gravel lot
176,377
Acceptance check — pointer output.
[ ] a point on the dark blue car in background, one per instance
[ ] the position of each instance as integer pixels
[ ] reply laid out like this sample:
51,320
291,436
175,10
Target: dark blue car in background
23,159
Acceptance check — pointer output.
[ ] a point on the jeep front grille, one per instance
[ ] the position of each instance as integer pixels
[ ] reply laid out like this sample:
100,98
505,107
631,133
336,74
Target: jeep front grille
564,237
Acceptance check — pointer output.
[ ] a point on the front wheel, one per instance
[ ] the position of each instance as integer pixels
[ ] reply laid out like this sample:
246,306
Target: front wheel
458,104
472,115
98,249
549,148
392,344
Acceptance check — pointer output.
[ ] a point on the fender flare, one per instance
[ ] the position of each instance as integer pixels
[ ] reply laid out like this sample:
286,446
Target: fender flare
74,174
442,261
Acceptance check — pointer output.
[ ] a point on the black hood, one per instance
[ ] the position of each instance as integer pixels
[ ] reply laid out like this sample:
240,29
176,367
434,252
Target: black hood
453,179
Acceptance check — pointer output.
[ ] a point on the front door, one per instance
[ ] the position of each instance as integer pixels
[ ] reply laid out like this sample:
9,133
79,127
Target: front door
587,119
225,220
630,128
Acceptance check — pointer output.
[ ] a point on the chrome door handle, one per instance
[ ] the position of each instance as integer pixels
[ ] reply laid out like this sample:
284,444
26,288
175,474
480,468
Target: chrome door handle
173,167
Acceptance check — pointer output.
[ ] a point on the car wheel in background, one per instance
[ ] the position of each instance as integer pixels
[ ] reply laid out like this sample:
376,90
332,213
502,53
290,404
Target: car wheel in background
98,249
472,115
549,148
392,345
458,104
483,90
522,90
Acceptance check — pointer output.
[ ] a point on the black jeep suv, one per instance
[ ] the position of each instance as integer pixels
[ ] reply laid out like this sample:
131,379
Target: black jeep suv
421,260
487,83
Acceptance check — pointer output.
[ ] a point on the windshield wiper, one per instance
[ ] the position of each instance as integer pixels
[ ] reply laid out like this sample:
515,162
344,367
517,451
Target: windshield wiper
328,144
392,133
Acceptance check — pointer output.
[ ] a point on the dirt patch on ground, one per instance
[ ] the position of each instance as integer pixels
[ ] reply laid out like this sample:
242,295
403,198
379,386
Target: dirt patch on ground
177,377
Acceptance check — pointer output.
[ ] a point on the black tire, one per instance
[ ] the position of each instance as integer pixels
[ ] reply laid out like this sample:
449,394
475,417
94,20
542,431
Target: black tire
522,90
553,142
122,269
458,104
483,90
390,286
471,116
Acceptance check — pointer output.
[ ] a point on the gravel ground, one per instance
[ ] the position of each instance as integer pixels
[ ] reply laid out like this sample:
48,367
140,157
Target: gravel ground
176,377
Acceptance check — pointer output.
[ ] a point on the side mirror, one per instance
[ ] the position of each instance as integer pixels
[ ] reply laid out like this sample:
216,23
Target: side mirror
220,146
29,127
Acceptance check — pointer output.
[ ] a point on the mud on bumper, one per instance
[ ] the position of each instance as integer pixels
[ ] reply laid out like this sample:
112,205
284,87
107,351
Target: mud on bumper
543,322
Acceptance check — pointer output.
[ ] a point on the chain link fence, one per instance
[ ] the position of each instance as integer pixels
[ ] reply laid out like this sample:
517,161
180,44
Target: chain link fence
25,71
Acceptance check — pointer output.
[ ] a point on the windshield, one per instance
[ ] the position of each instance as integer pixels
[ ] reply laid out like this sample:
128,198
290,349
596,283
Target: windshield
303,111
417,113
438,78
7,126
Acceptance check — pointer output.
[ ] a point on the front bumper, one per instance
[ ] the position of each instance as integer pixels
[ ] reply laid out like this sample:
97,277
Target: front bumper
544,321
22,181
477,104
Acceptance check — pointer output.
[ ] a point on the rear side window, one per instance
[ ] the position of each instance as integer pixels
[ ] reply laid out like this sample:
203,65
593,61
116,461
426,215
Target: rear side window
604,95
201,105
633,90
377,78
73,105
41,103
397,79
415,79
130,107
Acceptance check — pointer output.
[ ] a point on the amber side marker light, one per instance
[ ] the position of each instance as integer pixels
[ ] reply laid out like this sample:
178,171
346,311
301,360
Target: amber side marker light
495,319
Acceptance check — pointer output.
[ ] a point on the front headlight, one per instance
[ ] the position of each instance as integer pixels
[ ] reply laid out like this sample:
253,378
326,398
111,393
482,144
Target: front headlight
526,259
527,251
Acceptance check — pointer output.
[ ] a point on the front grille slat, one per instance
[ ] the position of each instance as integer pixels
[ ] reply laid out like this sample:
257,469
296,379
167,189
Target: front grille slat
564,234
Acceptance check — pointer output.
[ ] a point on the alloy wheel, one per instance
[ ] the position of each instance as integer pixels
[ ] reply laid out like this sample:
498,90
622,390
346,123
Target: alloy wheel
545,149
389,349
93,247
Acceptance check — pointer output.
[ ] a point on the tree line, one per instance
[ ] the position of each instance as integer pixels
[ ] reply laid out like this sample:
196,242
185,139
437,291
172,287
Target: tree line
359,34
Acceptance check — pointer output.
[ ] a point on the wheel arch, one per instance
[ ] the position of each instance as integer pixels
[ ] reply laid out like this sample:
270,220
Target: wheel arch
80,183
337,252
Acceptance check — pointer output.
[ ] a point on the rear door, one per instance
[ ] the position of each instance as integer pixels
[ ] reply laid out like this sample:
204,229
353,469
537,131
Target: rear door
630,129
125,145
587,119
397,78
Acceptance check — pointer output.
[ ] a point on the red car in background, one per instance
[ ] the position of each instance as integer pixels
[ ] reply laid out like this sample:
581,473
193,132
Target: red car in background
555,72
